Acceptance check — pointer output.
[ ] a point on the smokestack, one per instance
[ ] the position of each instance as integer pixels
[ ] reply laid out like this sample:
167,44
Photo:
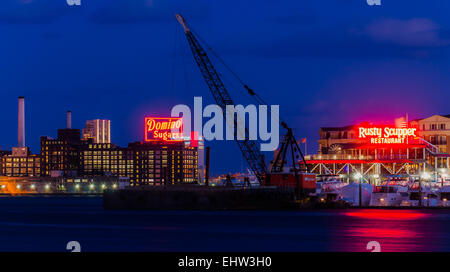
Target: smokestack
69,119
21,125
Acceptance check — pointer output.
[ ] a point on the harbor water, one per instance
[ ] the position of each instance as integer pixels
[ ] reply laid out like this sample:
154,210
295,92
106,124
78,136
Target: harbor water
49,223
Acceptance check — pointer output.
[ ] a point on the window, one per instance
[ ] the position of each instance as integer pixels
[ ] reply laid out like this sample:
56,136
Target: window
442,127
433,139
443,140
433,126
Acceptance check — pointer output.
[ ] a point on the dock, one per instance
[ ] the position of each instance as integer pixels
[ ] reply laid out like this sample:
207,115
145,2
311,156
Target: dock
194,197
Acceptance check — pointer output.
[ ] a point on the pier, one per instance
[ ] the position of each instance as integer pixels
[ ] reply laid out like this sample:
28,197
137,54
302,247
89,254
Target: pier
182,197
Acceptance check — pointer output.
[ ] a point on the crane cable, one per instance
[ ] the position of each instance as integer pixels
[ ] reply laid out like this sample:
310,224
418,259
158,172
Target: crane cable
172,83
250,91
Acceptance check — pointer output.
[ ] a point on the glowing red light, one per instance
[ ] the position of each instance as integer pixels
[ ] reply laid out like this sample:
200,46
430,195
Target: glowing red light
194,139
387,214
386,134
163,129
384,233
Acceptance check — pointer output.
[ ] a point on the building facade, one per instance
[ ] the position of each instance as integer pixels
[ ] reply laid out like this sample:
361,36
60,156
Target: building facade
155,163
435,130
60,157
163,164
21,163
98,130
409,148
162,160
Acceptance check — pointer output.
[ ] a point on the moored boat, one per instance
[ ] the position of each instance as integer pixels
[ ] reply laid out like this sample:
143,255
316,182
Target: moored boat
390,193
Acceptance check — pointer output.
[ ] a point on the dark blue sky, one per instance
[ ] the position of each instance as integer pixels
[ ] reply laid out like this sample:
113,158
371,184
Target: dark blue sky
326,63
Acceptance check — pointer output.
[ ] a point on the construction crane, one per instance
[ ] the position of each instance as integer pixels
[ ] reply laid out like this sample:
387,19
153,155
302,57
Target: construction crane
249,148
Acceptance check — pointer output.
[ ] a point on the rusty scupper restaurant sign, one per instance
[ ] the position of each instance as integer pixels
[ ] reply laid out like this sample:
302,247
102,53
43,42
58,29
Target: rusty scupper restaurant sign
386,135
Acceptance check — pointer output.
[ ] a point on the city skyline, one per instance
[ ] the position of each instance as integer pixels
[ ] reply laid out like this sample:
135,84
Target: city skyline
224,135
384,62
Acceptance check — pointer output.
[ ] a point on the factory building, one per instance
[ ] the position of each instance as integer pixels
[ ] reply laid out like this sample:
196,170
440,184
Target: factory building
144,163
162,164
21,163
60,156
105,160
153,162
161,160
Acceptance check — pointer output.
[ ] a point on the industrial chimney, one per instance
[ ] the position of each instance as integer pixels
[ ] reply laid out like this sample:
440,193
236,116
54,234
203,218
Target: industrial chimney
69,119
21,125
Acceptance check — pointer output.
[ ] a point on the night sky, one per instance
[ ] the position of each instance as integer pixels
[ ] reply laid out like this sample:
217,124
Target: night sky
326,63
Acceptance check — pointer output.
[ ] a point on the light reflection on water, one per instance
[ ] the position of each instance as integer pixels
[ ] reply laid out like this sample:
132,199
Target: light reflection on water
47,223
395,230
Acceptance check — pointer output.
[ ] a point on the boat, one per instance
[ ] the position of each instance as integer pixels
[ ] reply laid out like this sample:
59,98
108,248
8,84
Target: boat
444,192
391,192
350,193
329,187
444,196
428,195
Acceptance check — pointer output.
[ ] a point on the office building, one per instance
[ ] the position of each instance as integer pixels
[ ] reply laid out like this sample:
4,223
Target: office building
98,130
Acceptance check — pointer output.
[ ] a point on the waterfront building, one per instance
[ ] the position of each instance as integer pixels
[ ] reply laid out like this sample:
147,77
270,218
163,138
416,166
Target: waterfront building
435,130
159,163
21,163
164,158
106,160
60,157
399,148
153,163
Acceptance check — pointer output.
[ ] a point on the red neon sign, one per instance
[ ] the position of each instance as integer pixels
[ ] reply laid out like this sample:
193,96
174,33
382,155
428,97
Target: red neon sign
386,135
163,129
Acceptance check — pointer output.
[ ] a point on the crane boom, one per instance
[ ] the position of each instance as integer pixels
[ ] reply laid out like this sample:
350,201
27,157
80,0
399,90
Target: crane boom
249,149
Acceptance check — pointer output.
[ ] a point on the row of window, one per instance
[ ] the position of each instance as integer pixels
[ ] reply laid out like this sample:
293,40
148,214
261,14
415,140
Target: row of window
434,127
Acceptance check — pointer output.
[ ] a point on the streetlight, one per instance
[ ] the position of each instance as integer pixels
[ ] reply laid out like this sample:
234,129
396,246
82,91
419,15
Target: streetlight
375,178
426,176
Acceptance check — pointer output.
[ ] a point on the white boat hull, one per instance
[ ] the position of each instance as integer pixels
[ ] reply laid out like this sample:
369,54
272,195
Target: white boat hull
386,199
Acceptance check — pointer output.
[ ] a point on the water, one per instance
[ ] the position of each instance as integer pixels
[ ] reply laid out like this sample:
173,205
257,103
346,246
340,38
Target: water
48,223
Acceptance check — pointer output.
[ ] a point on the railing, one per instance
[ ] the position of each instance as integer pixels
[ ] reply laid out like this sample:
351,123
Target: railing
430,147
369,157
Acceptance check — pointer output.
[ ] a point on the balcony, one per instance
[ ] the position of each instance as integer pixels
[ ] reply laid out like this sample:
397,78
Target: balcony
364,158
